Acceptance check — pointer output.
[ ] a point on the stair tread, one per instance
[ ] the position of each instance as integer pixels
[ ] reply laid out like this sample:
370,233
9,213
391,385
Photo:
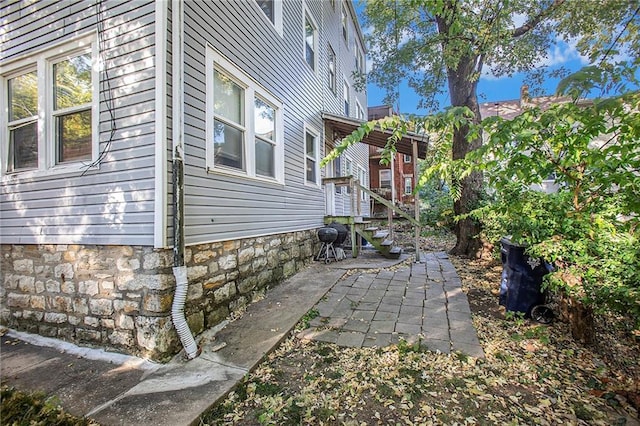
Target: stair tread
381,234
371,228
387,243
395,250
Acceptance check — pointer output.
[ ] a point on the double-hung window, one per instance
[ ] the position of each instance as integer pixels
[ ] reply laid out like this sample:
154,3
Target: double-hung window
311,155
244,123
345,24
50,109
385,178
408,186
310,41
332,70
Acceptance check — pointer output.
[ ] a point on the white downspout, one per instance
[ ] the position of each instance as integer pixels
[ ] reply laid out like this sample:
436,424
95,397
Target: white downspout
179,269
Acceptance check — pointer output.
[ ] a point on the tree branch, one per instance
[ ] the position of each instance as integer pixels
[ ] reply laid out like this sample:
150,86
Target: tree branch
532,23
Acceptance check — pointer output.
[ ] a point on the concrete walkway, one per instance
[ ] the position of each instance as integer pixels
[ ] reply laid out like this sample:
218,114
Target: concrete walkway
362,309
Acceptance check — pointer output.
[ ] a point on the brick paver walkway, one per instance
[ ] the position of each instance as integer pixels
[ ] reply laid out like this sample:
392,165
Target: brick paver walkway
420,302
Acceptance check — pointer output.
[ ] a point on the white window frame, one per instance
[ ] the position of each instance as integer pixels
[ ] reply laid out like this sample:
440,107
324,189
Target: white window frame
360,63
216,61
406,158
409,181
277,16
359,111
308,129
381,172
344,24
43,62
308,16
333,77
348,169
346,97
362,177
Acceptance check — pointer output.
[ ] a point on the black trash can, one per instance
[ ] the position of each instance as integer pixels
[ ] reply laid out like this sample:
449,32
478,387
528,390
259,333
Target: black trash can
521,284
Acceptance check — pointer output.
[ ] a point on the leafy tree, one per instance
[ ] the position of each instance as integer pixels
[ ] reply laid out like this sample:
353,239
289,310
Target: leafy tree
444,46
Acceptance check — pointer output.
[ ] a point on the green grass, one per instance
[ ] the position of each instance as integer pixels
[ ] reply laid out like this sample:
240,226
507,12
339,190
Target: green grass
35,408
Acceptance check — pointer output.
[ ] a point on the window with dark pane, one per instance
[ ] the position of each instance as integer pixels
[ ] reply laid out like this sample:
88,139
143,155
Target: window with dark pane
72,101
229,127
309,42
265,132
23,122
267,7
310,148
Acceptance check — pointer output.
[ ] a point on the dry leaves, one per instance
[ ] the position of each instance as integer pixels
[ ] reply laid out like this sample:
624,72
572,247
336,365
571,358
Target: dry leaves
532,374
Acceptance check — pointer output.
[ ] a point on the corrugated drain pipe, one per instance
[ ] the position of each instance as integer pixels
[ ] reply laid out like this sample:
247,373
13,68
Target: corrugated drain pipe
179,270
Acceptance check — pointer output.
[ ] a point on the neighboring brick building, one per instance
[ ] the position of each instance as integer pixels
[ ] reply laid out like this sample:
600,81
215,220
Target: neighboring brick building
394,181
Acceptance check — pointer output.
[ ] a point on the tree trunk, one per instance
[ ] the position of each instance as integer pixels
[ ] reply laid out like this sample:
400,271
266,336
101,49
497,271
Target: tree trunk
462,90
580,319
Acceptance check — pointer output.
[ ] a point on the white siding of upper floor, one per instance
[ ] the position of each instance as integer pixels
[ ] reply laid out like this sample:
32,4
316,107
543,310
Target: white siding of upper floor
113,204
220,207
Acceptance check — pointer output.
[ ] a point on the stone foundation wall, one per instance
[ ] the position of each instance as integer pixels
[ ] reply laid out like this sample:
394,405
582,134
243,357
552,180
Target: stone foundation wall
120,297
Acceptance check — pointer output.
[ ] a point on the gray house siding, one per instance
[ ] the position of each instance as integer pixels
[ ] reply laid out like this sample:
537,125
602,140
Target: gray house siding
221,207
113,204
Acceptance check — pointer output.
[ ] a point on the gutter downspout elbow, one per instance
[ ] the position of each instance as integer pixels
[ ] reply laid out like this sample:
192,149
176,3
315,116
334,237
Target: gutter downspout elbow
179,270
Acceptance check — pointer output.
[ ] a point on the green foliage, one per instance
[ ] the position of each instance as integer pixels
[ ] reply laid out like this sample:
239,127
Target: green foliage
589,227
23,408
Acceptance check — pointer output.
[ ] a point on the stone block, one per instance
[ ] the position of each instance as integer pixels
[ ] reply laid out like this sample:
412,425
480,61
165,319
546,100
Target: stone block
214,282
259,263
18,300
203,256
229,246
246,285
27,284
37,302
246,255
213,267
102,307
85,335
126,306
197,272
47,330
155,334
68,287
91,321
32,315
195,291
196,322
219,314
88,287
121,338
106,287
55,317
61,303
108,323
124,322
228,262
23,266
289,268
275,242
224,293
74,320
52,257
157,302
63,270
80,306
40,287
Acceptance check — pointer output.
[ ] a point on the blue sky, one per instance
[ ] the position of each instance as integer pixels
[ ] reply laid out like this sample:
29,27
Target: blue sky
490,89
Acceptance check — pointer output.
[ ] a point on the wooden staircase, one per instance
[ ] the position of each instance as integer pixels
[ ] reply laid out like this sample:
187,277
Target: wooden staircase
379,239
360,228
